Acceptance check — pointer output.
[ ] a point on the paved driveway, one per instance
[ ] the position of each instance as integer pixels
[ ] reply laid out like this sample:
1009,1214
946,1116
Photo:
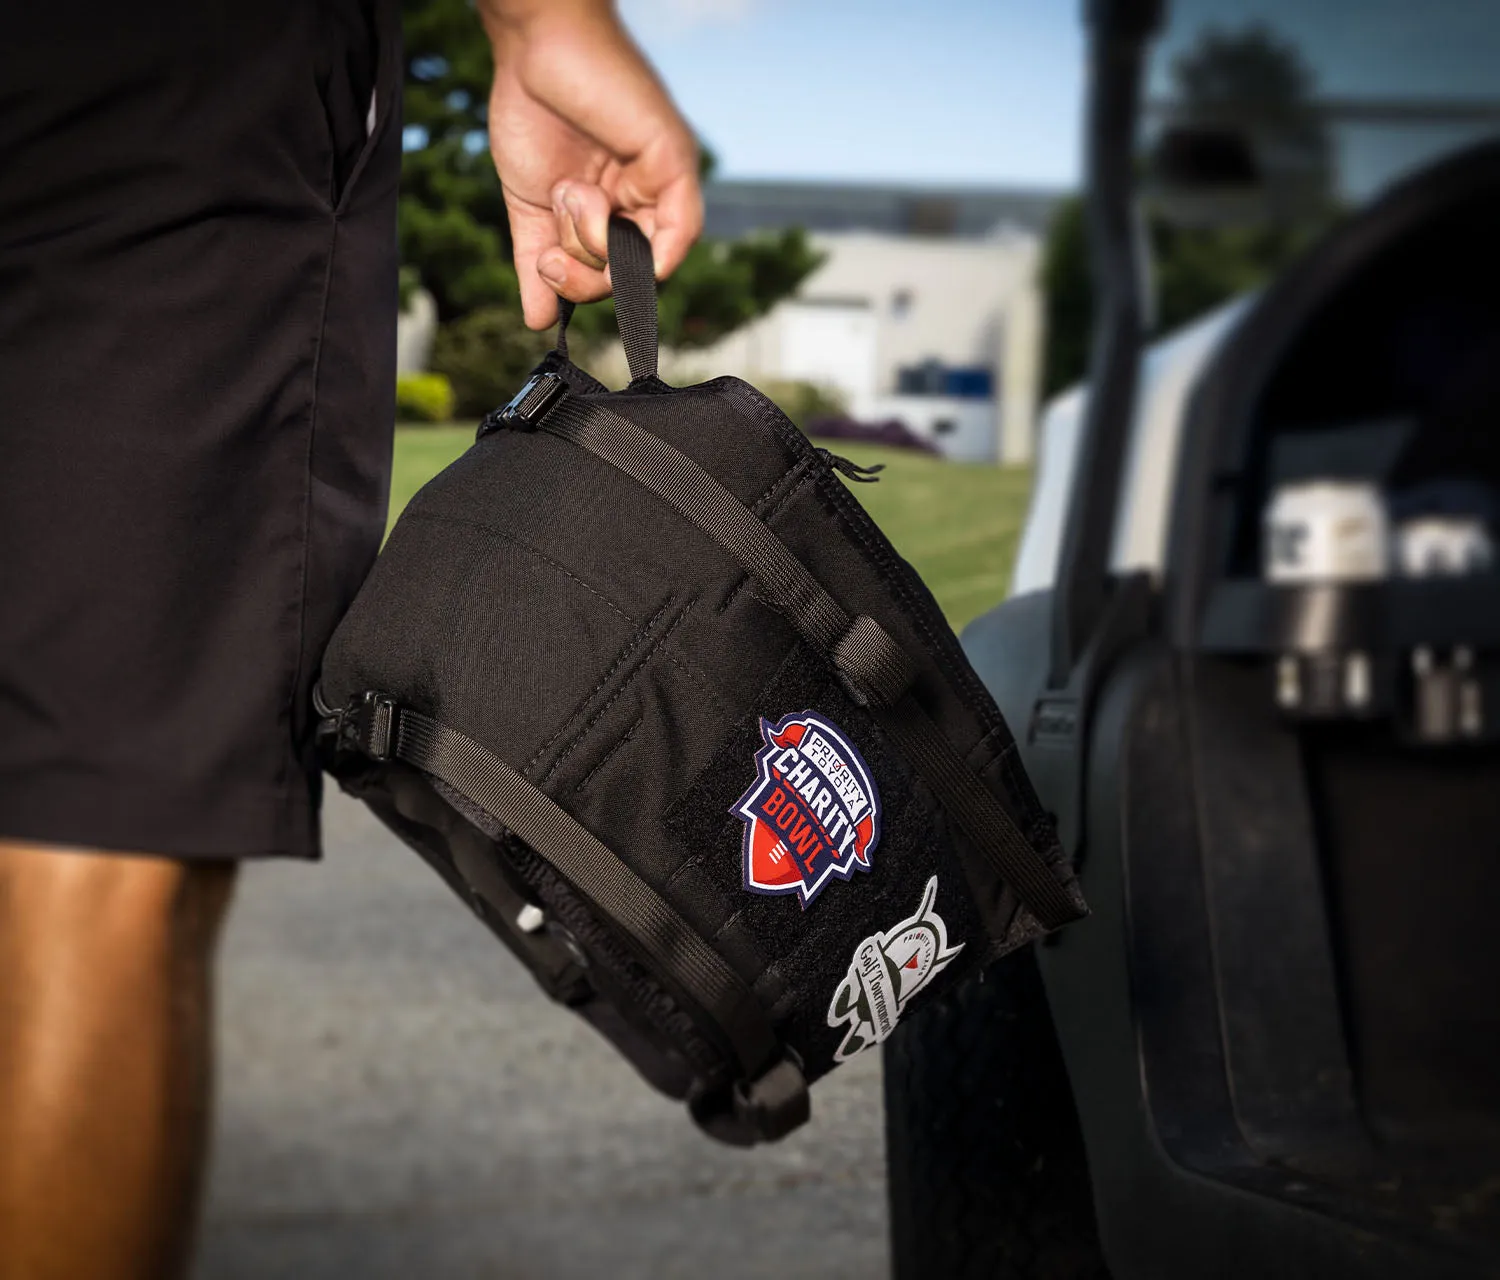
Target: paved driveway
399,1100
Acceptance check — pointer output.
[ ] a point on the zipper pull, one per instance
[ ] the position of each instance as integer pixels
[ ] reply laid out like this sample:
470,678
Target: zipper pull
855,472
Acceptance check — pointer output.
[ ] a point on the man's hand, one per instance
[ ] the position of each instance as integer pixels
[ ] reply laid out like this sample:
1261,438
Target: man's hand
580,125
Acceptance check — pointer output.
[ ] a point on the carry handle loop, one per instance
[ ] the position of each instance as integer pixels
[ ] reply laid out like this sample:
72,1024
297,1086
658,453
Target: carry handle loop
632,273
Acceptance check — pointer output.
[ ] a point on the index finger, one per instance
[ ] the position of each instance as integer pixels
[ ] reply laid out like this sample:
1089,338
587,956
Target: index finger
534,231
677,223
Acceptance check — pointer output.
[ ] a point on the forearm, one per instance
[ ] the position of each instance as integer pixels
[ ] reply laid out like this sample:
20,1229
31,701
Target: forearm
577,58
580,126
506,21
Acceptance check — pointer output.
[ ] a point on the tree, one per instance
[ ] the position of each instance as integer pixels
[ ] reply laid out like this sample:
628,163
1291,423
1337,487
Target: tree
453,228
454,233
1254,84
1255,87
1068,290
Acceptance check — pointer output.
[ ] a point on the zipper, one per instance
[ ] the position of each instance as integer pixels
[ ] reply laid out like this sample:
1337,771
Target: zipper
855,472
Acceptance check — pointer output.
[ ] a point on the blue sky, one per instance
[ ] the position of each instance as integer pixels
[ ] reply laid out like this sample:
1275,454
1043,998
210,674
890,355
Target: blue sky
962,92
990,91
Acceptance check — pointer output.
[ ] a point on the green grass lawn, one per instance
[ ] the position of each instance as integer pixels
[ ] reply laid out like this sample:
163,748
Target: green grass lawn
958,523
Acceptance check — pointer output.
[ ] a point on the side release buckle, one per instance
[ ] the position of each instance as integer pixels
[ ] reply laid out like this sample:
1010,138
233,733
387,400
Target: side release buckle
773,1105
374,725
527,407
759,1110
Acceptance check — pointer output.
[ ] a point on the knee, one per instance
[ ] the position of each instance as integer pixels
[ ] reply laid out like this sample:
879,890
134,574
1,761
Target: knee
62,908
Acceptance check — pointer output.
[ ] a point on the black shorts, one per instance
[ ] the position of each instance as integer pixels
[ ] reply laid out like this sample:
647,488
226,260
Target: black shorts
197,348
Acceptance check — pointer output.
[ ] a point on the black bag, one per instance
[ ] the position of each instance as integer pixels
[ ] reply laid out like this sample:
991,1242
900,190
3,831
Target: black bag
640,678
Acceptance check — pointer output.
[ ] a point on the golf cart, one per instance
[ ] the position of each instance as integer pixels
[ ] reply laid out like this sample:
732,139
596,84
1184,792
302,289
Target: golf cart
1252,662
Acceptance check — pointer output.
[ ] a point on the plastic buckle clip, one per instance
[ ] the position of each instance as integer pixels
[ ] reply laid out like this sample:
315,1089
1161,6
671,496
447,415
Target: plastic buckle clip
375,725
774,1104
528,405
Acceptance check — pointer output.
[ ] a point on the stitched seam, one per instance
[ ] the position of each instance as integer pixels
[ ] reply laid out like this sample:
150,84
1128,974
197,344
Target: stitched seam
731,923
563,366
770,975
610,754
519,542
629,647
879,561
747,583
725,823
939,648
805,467
986,743
615,696
743,937
793,477
699,678
694,863
802,481
1000,761
455,613
299,667
770,489
694,860
734,593
385,82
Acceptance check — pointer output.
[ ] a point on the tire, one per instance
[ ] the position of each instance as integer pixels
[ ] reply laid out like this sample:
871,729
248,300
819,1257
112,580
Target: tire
987,1171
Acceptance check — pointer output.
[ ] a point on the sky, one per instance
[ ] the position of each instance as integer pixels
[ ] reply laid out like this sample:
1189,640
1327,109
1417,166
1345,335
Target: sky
957,92
989,92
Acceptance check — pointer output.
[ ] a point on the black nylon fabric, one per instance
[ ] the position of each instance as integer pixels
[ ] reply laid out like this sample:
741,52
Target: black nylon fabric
914,845
495,788
869,662
604,647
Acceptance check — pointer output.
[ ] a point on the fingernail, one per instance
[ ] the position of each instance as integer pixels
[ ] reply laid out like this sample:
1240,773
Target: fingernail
552,271
573,204
560,199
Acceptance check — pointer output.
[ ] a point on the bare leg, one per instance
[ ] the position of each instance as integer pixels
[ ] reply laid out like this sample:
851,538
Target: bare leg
106,968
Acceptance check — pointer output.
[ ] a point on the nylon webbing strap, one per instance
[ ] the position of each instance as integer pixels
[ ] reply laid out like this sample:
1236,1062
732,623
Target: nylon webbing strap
581,858
632,278
672,475
632,275
697,495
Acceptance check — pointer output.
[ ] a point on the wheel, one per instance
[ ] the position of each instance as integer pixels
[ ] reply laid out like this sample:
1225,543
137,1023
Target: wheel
987,1171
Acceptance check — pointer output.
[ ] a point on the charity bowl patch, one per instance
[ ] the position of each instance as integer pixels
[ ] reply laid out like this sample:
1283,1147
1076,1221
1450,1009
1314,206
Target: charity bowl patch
813,811
887,971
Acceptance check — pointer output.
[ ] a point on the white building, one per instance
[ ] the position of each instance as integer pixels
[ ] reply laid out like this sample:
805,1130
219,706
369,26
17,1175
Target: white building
944,335
925,309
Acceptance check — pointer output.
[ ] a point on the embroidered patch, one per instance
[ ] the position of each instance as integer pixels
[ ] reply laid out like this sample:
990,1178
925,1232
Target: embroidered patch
812,812
888,969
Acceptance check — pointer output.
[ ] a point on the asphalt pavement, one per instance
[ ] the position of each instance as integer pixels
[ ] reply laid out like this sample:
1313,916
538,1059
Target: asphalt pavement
398,1099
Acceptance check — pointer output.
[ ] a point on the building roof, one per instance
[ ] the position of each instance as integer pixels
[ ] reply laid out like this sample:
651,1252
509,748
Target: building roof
736,208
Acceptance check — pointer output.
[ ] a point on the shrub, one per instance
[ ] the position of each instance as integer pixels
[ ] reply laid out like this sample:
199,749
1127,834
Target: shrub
892,432
804,401
486,355
423,397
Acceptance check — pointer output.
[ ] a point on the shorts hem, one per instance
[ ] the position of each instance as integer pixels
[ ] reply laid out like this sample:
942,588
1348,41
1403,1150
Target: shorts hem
156,818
